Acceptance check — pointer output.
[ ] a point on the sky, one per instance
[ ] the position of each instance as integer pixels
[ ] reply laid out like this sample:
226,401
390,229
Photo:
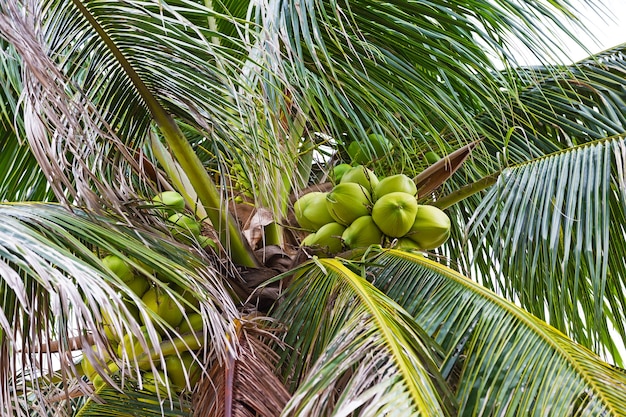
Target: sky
609,30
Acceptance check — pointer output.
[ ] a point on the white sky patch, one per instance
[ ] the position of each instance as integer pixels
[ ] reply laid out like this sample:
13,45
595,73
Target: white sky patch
608,29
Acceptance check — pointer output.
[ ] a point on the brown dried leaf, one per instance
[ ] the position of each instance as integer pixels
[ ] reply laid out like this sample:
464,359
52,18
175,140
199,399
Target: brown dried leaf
432,177
245,386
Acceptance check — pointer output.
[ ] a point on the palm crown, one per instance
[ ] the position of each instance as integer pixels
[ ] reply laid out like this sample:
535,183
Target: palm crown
242,108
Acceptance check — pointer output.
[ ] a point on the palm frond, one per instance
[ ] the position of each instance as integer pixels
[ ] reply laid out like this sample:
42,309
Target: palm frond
550,234
578,104
508,362
54,288
385,68
21,179
389,362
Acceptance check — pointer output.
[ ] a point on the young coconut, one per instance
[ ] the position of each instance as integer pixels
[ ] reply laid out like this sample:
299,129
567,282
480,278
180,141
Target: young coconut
394,213
362,233
162,304
119,267
431,227
338,171
181,368
360,175
395,183
311,211
347,202
169,201
186,228
380,147
131,347
327,240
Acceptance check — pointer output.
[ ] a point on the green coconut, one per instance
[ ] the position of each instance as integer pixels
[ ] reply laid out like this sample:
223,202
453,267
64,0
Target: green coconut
396,183
193,322
431,227
362,153
181,368
162,304
360,175
131,347
169,201
311,211
338,172
347,202
139,285
431,157
185,227
394,213
406,244
205,241
119,267
154,382
362,233
327,240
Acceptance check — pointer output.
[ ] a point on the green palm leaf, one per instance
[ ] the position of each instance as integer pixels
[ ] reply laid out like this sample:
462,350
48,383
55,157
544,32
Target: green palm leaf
345,336
509,362
558,224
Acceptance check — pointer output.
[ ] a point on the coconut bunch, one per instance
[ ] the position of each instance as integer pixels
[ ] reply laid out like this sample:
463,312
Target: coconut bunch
362,210
175,314
185,228
174,309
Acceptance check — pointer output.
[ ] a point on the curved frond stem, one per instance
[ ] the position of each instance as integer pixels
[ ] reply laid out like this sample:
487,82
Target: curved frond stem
227,227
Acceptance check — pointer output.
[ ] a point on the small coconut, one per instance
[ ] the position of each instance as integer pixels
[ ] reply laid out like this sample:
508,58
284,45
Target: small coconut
348,201
185,226
162,303
169,201
395,183
362,233
311,211
338,172
327,240
360,175
119,267
431,227
394,213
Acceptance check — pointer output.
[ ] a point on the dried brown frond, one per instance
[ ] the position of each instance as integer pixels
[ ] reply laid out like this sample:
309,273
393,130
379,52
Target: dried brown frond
245,385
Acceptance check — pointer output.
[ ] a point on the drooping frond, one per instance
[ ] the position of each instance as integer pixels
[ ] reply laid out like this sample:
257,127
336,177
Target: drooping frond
387,68
56,291
346,341
21,179
508,362
551,235
554,110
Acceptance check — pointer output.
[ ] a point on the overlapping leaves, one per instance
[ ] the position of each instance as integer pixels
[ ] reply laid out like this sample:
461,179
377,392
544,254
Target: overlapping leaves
54,289
558,223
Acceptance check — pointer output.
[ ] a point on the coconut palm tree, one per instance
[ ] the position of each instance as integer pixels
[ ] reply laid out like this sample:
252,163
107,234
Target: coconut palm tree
242,108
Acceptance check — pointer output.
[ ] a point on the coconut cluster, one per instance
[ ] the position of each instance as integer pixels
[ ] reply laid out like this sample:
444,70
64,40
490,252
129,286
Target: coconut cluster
362,210
171,313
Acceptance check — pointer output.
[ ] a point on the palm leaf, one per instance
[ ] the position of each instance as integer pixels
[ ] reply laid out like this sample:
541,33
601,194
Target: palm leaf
510,362
55,287
21,178
385,68
559,227
388,362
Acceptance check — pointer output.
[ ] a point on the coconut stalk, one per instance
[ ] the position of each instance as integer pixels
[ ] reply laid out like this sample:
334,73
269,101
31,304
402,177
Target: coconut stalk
227,228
